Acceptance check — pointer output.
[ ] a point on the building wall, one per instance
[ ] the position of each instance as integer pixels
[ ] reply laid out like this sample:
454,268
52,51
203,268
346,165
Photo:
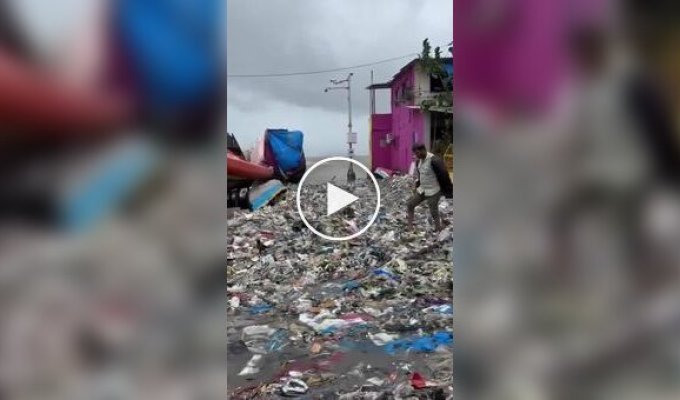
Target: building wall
407,123
427,130
422,83
381,156
521,60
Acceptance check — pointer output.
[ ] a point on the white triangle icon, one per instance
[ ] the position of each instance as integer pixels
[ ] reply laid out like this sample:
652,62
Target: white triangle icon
337,199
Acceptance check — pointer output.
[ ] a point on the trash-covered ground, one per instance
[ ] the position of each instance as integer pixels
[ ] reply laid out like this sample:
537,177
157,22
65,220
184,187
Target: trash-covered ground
369,318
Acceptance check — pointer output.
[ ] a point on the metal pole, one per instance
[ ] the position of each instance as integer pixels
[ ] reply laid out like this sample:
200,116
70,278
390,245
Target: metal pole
351,176
372,107
349,107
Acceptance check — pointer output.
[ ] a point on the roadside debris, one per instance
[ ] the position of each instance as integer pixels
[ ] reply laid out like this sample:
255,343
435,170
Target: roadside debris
368,318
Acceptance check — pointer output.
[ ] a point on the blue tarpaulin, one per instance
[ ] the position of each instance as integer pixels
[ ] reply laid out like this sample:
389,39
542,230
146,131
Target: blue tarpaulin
420,344
108,184
171,46
286,150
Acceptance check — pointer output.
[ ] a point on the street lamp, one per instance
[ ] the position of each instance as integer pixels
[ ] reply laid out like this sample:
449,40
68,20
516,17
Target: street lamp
339,85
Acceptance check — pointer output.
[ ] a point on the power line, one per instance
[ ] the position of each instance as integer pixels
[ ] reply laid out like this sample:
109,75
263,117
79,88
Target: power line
320,71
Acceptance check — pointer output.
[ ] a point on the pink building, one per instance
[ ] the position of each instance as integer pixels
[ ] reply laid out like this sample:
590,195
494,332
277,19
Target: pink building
393,134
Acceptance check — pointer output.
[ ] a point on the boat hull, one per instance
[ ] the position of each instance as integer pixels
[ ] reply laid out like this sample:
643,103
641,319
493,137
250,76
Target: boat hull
242,173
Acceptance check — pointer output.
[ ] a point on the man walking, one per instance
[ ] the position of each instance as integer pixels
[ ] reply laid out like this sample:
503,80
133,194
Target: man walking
432,182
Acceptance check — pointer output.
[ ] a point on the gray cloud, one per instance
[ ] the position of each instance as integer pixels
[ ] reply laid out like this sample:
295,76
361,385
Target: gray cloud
270,36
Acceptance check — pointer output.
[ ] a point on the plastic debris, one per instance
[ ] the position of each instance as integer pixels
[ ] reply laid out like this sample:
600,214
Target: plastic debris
294,387
252,366
375,381
260,309
262,339
387,273
381,339
442,309
418,382
323,324
277,341
383,173
321,310
316,347
351,285
424,344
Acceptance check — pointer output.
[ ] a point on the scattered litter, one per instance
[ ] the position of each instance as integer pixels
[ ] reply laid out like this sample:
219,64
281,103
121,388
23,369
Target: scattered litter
383,173
424,344
316,347
260,308
417,381
320,310
386,273
442,309
375,381
261,339
253,365
351,285
381,339
323,324
294,387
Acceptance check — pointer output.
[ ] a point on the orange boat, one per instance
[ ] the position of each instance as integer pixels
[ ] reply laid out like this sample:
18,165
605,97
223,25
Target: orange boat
32,99
241,172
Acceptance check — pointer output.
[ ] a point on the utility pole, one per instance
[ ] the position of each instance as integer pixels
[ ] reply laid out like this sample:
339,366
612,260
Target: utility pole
351,176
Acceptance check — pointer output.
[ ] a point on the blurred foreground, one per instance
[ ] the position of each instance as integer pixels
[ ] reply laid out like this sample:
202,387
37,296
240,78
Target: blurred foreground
566,198
112,213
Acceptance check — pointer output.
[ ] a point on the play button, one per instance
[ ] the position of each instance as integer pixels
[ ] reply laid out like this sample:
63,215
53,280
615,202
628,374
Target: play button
337,199
321,196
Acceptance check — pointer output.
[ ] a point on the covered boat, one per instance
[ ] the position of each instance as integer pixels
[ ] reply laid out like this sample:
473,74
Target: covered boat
284,152
252,184
241,173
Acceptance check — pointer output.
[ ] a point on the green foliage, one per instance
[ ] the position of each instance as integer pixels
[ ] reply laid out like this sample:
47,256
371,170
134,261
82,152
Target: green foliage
435,68
426,49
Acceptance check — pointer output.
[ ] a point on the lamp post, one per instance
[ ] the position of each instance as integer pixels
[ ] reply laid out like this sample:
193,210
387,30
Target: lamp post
339,85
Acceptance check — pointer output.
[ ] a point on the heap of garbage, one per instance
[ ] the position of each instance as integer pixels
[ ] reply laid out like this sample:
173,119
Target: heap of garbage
369,318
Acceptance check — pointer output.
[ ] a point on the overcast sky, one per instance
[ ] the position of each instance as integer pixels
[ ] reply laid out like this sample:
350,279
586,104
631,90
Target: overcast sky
280,36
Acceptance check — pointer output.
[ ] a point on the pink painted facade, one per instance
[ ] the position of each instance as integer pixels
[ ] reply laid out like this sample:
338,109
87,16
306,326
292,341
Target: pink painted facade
393,135
381,125
407,123
519,57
